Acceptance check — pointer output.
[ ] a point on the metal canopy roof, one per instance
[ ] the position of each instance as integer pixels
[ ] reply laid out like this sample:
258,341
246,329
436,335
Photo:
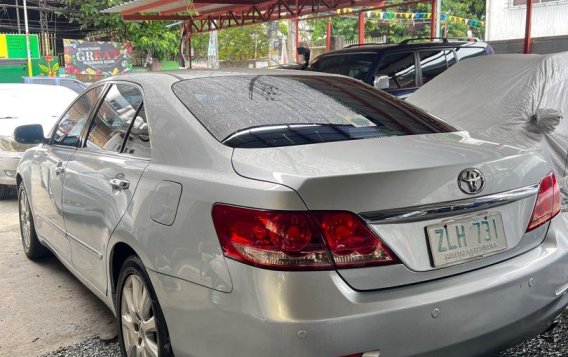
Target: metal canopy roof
209,15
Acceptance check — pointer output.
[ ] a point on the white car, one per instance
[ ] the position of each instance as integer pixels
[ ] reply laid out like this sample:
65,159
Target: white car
286,213
22,104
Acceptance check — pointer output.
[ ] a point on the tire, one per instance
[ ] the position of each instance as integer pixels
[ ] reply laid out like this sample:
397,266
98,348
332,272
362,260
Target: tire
32,247
4,192
141,328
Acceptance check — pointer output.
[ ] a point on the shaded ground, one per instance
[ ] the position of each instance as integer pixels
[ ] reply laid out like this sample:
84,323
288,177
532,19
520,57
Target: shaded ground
551,343
42,305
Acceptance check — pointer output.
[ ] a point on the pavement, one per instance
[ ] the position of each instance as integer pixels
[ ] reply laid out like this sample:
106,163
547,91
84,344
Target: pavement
42,305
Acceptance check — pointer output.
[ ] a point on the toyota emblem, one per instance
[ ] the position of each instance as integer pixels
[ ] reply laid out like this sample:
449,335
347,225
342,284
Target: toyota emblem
471,181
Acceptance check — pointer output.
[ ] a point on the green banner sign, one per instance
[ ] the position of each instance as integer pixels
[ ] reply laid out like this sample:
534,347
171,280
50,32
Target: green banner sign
14,47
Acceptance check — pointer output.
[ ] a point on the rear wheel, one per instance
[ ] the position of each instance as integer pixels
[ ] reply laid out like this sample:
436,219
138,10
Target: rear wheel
32,246
141,326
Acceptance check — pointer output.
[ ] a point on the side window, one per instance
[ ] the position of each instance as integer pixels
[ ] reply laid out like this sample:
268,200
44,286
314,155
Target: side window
113,118
432,63
68,130
467,52
400,68
138,142
352,65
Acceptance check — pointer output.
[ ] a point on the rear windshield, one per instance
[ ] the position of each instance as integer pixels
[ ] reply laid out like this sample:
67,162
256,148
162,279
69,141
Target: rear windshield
356,65
267,111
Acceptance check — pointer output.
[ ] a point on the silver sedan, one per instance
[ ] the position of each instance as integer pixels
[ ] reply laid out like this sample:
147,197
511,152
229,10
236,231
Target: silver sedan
262,213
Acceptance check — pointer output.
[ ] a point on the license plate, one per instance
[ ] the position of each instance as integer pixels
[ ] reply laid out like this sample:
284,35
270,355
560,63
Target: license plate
468,239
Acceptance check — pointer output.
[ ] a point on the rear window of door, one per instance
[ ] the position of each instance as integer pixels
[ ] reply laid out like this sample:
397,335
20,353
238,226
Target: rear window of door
114,118
271,110
355,65
432,63
68,130
466,51
400,67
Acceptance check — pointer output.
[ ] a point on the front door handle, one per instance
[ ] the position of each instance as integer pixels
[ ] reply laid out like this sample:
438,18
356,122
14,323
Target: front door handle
119,182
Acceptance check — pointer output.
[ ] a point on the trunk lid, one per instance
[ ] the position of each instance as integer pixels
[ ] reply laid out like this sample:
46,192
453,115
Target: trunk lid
371,176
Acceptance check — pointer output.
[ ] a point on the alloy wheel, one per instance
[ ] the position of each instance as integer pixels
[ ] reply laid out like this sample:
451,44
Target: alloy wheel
139,331
25,219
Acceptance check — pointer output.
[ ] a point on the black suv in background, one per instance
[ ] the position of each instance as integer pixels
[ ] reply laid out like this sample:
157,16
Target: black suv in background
399,69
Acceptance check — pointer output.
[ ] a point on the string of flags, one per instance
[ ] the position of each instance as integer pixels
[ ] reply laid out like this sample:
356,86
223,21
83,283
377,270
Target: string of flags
416,16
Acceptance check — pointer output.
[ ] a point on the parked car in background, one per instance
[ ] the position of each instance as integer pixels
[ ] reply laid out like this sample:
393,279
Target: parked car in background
518,100
25,104
399,69
298,213
71,83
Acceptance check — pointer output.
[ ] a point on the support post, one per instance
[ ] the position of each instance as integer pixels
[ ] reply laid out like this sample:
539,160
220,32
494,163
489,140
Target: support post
528,39
189,47
328,36
438,18
27,39
18,16
361,28
297,38
433,19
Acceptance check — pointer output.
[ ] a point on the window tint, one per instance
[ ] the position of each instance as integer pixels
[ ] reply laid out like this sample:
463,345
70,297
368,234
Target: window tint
432,63
114,117
68,130
467,52
262,111
138,142
355,65
400,68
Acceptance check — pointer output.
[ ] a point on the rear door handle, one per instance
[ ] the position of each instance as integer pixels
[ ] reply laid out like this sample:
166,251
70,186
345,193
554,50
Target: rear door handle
119,182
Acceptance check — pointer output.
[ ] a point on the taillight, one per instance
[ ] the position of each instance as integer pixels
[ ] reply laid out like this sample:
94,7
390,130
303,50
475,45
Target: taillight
272,239
548,202
290,240
351,242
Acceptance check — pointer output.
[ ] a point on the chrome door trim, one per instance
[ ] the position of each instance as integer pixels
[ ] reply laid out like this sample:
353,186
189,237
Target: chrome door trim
40,215
449,208
86,246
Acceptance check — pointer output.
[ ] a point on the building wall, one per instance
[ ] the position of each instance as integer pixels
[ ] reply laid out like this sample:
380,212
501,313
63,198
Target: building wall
507,21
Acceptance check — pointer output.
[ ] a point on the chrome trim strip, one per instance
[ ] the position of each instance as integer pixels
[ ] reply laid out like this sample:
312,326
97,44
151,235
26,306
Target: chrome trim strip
86,246
49,222
449,208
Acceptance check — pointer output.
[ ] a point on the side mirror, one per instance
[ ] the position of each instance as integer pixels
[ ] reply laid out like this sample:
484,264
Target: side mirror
29,134
305,53
381,82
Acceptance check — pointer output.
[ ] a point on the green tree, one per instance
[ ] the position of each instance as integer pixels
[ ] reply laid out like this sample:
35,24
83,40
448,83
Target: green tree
242,43
146,36
235,44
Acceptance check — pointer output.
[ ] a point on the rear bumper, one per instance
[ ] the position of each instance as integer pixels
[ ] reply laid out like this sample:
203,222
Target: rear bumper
8,164
317,314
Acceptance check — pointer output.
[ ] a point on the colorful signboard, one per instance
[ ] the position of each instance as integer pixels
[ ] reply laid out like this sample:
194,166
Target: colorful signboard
14,47
97,58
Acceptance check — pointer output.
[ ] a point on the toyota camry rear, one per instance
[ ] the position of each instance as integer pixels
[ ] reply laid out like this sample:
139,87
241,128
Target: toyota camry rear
287,214
405,236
